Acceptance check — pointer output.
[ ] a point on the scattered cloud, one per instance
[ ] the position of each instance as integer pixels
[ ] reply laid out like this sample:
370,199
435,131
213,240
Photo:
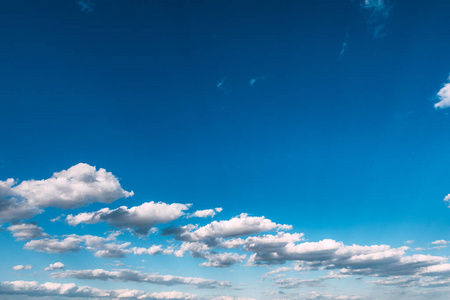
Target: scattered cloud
102,247
279,270
77,186
237,226
206,213
13,208
221,85
440,242
139,218
137,276
51,289
153,250
56,266
26,231
444,102
375,260
86,5
22,267
343,49
222,260
377,13
253,81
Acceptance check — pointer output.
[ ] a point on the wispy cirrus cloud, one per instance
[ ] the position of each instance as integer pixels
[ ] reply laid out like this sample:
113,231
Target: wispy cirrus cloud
377,13
86,5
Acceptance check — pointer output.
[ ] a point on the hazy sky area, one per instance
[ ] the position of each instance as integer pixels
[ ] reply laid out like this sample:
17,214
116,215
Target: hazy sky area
224,150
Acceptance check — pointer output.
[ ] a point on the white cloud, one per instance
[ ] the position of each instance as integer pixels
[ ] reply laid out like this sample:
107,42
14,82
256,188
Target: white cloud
447,199
56,266
137,276
140,218
375,260
440,242
102,247
206,213
436,270
50,289
22,267
237,226
51,245
77,186
12,207
326,296
26,231
153,250
222,260
278,270
444,102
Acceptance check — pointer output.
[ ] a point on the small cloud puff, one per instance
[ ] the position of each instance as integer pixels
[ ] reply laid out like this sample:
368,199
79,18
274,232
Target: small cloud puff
444,102
22,267
56,266
206,213
254,80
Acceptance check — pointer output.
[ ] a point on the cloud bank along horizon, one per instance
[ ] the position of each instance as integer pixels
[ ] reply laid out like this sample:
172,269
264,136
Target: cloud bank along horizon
243,241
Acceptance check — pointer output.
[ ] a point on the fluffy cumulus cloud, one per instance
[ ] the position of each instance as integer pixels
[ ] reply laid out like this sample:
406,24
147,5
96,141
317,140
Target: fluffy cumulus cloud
141,218
26,231
13,208
375,260
56,266
222,260
152,250
22,267
77,186
444,102
136,276
50,289
52,245
237,226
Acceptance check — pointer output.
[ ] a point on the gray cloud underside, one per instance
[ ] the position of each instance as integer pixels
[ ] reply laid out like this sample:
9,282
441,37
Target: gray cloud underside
136,276
139,218
50,289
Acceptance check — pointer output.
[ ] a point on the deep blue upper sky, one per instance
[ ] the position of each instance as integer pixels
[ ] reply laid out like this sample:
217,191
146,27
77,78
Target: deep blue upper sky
157,92
132,87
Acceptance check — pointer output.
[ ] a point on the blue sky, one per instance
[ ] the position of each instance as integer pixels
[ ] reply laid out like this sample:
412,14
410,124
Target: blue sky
250,149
